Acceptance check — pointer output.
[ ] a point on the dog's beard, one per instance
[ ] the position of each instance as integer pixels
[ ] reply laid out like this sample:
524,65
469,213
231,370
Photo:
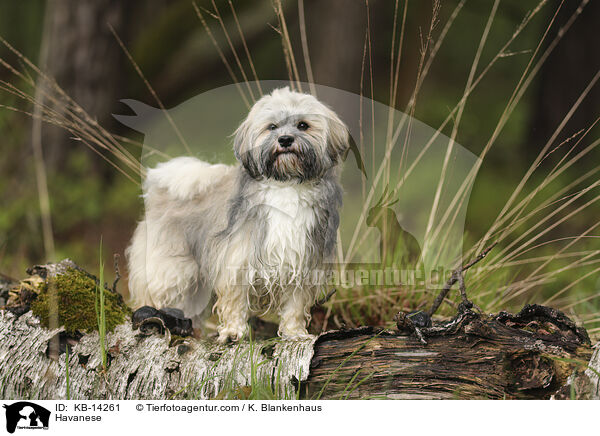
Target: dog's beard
300,162
288,165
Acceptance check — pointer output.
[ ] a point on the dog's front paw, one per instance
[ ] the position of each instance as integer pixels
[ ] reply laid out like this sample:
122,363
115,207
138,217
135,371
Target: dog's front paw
300,334
232,333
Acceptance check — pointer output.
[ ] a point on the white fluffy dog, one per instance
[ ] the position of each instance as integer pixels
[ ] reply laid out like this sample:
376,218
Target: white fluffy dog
250,237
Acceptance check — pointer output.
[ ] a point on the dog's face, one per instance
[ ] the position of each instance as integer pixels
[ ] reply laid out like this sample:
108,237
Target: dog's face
290,136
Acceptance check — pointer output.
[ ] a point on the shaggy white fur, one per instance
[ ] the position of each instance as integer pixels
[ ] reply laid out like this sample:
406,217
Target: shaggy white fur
247,238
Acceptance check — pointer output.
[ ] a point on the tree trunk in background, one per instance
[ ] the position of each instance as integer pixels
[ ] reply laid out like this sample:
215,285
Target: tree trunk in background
336,31
336,36
566,73
84,57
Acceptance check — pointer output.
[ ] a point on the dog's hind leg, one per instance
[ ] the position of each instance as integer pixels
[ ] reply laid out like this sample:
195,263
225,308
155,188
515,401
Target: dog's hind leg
160,277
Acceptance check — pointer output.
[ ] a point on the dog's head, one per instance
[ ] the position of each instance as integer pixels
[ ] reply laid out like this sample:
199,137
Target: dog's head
290,136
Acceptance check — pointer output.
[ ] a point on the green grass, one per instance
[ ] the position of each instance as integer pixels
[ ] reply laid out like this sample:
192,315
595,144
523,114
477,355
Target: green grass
101,310
260,387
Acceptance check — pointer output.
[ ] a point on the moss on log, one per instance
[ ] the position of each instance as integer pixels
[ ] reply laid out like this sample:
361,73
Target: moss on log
75,295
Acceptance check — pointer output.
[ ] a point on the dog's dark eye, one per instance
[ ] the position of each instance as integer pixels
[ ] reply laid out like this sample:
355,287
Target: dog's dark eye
302,125
271,127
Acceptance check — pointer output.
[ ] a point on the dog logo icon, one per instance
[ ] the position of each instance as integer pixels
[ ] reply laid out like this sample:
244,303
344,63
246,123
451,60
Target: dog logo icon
26,415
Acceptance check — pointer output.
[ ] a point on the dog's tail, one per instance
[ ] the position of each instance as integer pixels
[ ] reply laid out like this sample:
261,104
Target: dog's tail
184,178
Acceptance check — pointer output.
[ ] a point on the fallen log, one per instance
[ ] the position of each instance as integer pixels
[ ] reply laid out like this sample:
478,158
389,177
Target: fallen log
537,353
528,355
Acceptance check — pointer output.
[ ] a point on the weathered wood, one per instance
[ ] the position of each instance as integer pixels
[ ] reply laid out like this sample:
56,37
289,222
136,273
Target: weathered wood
140,366
593,373
485,359
538,353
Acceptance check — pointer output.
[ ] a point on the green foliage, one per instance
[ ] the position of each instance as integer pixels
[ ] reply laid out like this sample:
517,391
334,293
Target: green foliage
100,306
260,388
76,301
30,17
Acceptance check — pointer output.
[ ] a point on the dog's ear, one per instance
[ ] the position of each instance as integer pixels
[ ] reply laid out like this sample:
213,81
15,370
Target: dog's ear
241,139
338,140
243,148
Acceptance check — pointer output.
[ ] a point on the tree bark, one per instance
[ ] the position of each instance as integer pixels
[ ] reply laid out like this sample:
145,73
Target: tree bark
491,357
569,69
531,355
336,30
82,55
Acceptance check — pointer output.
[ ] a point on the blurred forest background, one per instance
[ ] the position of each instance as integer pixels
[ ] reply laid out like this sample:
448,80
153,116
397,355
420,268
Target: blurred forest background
71,41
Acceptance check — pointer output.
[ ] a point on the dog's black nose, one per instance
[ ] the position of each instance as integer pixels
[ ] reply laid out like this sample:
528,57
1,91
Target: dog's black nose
285,140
